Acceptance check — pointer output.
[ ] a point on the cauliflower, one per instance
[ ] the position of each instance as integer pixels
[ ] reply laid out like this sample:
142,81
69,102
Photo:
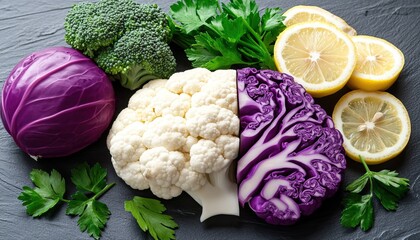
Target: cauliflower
181,135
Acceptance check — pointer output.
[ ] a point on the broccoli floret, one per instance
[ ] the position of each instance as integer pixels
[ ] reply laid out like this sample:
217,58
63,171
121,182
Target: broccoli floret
137,57
126,39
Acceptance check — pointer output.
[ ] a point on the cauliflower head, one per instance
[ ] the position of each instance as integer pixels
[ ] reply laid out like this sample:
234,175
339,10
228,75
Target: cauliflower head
178,134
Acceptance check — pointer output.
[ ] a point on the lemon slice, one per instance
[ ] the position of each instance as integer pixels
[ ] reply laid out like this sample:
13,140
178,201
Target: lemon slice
375,125
379,63
300,14
319,56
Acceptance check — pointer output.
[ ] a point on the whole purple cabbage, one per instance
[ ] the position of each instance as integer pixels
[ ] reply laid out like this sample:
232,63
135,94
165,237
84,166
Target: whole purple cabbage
55,102
291,157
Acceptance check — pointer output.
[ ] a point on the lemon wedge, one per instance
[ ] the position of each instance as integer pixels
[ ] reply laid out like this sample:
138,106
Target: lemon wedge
300,14
374,125
319,56
379,63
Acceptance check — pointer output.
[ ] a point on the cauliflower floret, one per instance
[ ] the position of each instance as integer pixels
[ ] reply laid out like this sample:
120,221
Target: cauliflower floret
126,117
162,169
127,145
155,84
168,131
142,100
219,90
132,175
189,81
211,121
207,157
165,192
168,103
229,145
189,143
190,180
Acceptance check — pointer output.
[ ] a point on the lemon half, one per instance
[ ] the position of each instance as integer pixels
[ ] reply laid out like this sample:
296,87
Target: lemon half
318,55
375,125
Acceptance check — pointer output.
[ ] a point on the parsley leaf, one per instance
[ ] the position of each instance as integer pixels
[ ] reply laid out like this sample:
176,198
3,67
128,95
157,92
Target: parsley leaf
359,184
89,179
93,214
48,192
358,210
385,185
194,14
389,188
149,215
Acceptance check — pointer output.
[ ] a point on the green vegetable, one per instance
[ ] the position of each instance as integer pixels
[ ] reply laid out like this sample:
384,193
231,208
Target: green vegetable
48,192
127,40
385,185
221,36
50,189
150,217
93,214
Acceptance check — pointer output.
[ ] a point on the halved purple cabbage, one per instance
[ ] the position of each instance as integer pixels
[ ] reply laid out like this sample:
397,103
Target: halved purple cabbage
55,102
291,157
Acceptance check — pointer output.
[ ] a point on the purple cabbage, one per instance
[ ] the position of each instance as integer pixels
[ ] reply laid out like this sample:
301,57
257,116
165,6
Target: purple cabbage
56,102
291,157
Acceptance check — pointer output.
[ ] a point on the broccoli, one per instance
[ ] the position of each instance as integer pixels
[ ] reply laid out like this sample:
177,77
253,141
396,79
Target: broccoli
128,40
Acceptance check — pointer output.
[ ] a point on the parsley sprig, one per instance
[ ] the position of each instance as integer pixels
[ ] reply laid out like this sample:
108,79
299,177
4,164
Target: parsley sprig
92,213
385,185
149,216
218,36
49,190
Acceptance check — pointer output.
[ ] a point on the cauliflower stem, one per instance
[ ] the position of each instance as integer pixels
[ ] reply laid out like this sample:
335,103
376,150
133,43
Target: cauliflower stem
218,196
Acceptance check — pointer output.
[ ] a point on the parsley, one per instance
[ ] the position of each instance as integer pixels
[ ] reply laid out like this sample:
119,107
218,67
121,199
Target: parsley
50,189
220,36
385,185
149,215
93,214
48,192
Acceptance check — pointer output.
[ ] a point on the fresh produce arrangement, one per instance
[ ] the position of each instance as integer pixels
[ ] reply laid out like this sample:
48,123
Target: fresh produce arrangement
240,129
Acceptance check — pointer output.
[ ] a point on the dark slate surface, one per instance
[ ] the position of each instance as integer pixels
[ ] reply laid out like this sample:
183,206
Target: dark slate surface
26,26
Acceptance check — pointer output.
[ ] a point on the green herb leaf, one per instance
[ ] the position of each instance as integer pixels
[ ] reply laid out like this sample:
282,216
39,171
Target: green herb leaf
393,183
48,192
272,20
389,188
193,14
89,179
77,205
358,185
149,215
385,185
93,214
358,210
246,9
233,35
212,54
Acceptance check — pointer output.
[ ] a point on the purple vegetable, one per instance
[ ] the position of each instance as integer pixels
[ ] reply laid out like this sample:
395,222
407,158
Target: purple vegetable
56,102
291,156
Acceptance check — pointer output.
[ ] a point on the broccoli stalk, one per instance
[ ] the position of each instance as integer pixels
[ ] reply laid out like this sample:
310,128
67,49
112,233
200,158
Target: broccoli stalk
129,41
